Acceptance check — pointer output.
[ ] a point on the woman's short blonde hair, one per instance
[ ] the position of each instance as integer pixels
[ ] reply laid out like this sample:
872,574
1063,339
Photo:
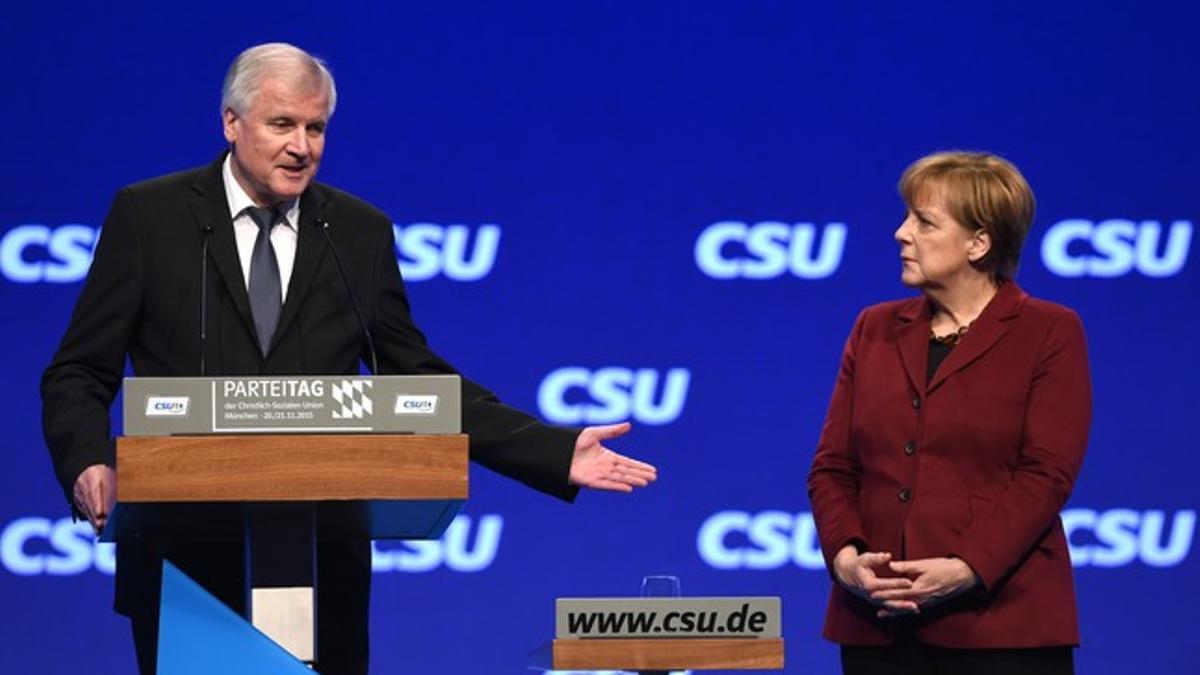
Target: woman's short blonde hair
982,192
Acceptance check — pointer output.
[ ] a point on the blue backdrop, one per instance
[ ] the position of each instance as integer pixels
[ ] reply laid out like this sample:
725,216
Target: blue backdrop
668,211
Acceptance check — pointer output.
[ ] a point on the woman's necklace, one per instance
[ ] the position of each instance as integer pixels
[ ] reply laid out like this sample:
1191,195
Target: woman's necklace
951,339
954,337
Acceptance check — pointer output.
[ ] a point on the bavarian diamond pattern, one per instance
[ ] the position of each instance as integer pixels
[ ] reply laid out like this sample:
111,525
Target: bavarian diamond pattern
351,400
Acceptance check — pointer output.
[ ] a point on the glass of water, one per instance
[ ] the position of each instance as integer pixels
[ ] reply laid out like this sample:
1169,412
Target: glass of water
660,586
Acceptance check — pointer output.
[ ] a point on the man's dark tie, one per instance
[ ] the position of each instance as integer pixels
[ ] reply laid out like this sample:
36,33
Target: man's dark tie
266,297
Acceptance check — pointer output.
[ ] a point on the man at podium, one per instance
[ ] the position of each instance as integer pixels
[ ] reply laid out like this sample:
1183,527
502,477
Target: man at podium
224,270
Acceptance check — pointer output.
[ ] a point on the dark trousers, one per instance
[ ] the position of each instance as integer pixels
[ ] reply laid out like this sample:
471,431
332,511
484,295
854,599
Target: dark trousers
908,657
343,595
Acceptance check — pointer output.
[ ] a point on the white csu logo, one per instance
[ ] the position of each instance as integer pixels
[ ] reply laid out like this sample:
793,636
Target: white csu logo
35,546
33,253
732,249
1115,247
571,395
1113,538
426,250
455,549
32,546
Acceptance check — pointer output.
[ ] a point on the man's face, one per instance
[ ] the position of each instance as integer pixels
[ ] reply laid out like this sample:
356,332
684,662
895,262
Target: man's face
278,141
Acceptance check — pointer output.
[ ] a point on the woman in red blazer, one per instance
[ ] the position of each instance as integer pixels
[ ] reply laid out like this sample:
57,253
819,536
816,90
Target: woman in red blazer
957,427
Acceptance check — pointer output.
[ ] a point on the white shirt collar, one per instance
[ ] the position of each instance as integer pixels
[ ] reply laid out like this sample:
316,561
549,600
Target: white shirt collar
239,201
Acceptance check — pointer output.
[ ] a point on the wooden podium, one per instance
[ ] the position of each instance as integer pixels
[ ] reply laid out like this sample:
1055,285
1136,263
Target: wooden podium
281,492
655,655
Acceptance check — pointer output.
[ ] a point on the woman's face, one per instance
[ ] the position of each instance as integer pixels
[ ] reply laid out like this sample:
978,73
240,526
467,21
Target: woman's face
935,249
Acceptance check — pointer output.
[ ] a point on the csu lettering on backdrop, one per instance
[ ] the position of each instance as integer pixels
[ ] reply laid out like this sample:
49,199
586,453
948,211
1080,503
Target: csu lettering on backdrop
38,546
733,249
769,540
426,250
36,253
1115,247
454,549
730,540
1117,537
573,395
33,546
33,253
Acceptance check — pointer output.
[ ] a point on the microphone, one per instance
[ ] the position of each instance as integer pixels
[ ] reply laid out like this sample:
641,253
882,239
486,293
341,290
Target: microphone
206,231
324,225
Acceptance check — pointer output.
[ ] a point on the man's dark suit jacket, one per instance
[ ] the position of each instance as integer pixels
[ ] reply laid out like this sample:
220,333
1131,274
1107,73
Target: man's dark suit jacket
974,464
142,299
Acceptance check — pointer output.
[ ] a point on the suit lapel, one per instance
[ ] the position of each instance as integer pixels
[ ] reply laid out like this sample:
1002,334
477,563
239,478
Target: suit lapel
912,340
985,332
210,208
310,249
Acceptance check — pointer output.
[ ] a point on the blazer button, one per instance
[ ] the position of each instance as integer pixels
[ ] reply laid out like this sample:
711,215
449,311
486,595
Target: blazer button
910,448
905,495
916,402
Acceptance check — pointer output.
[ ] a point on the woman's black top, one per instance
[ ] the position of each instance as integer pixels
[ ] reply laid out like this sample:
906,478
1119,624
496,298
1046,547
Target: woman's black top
938,351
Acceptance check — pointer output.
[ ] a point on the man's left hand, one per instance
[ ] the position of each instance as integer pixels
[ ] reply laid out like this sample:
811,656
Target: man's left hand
935,580
595,466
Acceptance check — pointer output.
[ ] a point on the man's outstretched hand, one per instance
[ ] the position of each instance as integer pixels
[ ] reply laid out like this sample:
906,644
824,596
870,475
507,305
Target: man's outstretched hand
595,466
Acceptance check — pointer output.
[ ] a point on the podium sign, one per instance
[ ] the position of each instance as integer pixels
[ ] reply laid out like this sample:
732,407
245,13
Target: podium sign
694,617
654,636
172,406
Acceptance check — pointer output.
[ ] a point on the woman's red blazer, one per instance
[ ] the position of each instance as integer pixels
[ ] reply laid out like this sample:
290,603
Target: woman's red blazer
976,465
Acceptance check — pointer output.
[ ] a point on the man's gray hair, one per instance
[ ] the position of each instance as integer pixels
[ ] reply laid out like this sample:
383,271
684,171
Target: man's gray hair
251,67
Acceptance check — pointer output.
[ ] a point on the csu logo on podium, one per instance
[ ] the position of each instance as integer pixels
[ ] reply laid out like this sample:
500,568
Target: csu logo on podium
574,395
36,253
426,250
1116,247
733,249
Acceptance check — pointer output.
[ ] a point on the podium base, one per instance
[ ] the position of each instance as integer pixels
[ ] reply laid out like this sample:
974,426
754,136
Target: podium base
199,635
